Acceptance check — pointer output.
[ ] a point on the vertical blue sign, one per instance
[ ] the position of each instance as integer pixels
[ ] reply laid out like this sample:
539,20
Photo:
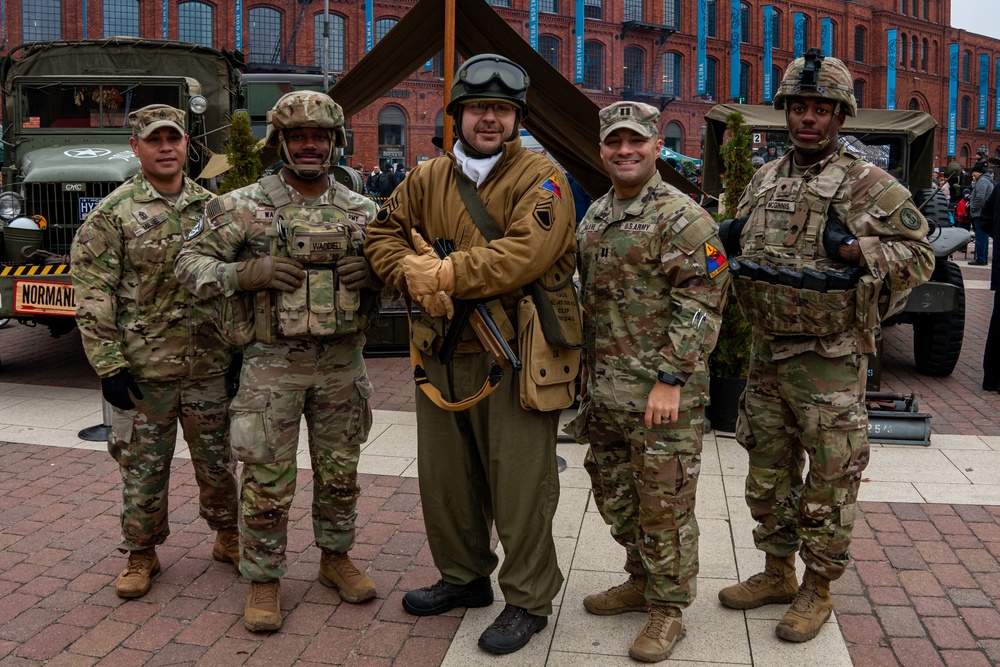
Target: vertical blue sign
533,24
238,18
890,70
369,25
952,98
996,118
166,29
578,41
798,34
768,47
826,32
984,88
735,25
702,47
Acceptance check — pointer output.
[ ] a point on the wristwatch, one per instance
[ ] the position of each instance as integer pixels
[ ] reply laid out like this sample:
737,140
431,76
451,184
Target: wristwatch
668,378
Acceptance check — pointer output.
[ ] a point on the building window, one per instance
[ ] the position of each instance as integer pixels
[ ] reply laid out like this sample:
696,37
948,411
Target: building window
500,3
593,66
776,74
915,5
903,42
744,23
391,136
902,6
549,6
265,36
776,29
335,32
41,20
913,52
673,136
121,18
926,10
859,44
382,28
833,39
634,10
634,59
859,92
805,34
914,104
966,66
744,83
710,68
194,23
923,55
672,75
592,10
710,19
966,103
672,14
548,46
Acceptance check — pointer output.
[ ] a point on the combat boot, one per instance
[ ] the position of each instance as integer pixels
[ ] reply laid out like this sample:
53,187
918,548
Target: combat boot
263,609
628,596
662,632
337,571
809,610
227,547
775,585
137,577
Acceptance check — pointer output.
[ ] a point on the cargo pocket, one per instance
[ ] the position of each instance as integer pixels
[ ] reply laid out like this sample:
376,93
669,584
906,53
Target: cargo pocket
361,416
120,436
744,434
293,314
250,428
322,309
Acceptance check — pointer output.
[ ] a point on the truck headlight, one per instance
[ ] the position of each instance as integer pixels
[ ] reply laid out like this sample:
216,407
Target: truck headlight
198,104
10,205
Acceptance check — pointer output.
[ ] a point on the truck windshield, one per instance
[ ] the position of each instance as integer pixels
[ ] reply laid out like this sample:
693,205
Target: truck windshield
89,105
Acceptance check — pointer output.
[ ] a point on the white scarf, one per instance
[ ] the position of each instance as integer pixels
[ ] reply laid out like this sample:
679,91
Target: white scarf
477,169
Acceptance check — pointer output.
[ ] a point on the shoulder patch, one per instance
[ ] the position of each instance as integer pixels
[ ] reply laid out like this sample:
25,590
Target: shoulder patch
387,208
196,230
715,261
552,185
543,214
909,218
214,208
695,231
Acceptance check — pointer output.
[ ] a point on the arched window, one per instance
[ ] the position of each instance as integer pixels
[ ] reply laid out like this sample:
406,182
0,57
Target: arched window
194,23
593,66
966,66
859,92
121,18
914,104
711,67
744,23
776,74
859,44
41,20
903,44
634,74
382,28
672,75
548,46
391,135
633,10
966,103
964,154
549,6
745,82
592,9
923,55
335,33
672,14
710,19
673,136
776,29
265,36
913,52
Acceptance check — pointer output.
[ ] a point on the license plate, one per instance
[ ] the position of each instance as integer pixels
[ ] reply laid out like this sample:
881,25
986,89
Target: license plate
88,204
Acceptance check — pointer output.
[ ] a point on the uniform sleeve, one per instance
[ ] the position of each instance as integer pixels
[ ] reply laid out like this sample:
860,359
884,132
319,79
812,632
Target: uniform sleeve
205,265
97,259
388,237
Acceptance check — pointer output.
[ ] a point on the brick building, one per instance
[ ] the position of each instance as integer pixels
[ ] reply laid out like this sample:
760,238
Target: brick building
640,49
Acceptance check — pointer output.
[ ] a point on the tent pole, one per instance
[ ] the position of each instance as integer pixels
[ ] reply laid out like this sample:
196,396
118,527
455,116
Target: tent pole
449,66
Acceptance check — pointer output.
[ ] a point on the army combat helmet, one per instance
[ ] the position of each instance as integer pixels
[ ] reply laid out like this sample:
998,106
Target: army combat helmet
489,77
816,75
306,108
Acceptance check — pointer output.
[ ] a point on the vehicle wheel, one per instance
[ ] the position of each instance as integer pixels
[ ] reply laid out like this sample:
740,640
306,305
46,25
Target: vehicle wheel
937,338
936,210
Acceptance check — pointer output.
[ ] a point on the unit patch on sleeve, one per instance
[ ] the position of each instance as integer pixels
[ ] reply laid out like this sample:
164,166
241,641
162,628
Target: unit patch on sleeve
552,186
196,230
715,260
543,214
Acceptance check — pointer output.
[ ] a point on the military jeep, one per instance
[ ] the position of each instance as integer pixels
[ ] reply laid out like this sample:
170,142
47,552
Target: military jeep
902,143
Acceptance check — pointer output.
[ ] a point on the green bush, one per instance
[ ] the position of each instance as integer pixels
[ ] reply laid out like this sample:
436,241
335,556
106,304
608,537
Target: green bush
244,155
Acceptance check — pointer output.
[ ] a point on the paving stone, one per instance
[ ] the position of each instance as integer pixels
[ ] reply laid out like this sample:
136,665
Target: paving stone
872,656
965,659
949,633
861,629
969,597
916,653
901,622
984,623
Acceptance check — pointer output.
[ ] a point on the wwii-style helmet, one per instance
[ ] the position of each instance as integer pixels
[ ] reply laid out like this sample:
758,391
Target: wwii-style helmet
489,76
306,108
815,75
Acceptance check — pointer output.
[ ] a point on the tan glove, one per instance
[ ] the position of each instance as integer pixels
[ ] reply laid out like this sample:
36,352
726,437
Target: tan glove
355,273
437,305
425,273
280,273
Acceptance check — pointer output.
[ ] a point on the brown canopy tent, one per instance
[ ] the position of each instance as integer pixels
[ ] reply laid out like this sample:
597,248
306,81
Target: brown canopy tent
561,117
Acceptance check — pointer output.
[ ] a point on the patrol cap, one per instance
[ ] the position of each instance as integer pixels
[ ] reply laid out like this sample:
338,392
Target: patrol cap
149,118
636,116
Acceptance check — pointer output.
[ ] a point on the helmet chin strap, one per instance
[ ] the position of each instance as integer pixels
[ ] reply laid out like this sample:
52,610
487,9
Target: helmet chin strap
307,172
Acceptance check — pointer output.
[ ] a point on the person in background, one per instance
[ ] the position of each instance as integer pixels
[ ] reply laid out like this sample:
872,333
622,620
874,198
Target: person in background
981,190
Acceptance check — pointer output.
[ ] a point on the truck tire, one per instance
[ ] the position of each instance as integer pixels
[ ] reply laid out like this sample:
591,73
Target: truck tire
937,338
936,210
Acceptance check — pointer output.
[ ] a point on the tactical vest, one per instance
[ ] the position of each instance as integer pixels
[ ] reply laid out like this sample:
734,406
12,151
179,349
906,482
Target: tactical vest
316,236
785,230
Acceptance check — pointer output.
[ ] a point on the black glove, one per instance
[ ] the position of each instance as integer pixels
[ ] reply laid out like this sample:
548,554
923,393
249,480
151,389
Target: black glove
116,390
834,235
729,233
233,375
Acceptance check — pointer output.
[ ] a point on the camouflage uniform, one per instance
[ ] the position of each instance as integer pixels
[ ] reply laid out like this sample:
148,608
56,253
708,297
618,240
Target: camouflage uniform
321,377
134,315
654,283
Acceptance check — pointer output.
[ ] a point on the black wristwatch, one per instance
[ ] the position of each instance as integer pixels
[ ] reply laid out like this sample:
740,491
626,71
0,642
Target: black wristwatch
668,378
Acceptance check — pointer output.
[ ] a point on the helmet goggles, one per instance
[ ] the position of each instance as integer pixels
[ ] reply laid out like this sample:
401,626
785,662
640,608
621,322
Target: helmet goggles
478,75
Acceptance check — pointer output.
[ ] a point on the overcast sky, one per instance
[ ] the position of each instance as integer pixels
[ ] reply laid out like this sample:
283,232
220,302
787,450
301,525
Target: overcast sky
979,16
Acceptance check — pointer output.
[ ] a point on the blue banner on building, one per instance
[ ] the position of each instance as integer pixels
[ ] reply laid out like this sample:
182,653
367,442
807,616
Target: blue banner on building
952,98
533,24
768,48
735,32
826,35
798,34
702,47
238,19
984,89
369,25
890,70
166,12
996,118
578,41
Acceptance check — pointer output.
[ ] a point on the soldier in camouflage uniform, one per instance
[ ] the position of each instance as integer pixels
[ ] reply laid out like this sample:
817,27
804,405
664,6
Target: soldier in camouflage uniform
303,354
851,245
148,337
654,285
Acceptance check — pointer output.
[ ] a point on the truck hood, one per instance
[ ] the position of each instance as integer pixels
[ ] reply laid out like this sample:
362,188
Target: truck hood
83,163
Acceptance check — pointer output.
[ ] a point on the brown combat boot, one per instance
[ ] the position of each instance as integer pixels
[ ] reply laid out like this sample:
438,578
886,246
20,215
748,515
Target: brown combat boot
227,547
337,571
263,610
809,610
137,577
662,632
619,599
775,585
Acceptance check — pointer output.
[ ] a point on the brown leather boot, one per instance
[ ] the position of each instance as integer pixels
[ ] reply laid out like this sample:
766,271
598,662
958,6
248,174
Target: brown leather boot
137,577
628,596
337,571
263,609
809,610
662,632
775,585
227,547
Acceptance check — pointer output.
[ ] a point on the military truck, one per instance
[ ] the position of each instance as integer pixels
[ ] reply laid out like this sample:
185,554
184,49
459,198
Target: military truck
902,143
66,135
